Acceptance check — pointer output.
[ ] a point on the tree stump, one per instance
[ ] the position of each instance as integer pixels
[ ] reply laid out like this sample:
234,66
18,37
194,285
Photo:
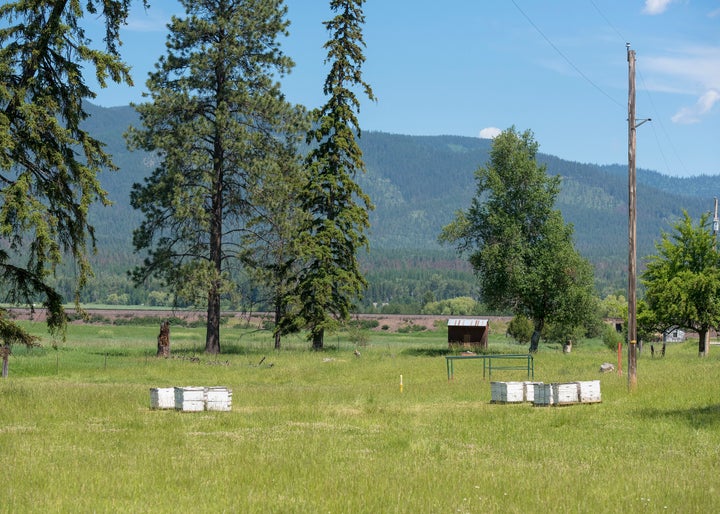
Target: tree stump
163,341
5,353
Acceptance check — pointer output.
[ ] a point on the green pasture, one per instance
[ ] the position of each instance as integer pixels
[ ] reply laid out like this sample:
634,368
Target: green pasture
329,432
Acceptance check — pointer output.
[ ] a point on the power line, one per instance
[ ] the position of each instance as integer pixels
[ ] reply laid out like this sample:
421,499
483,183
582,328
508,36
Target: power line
656,117
567,59
602,15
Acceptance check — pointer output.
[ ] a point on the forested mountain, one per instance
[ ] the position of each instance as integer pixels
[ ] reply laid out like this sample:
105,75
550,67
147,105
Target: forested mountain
416,184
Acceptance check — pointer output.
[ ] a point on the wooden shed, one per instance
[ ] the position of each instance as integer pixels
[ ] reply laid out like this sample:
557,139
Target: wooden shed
468,332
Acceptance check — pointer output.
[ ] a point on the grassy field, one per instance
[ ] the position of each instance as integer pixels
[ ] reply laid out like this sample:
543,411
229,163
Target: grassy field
329,432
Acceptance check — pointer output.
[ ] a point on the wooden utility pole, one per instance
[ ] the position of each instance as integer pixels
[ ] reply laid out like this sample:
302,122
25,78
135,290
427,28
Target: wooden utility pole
716,223
632,300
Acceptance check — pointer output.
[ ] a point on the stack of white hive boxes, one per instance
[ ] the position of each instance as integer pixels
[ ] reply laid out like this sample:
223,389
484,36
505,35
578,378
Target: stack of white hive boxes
218,398
162,398
507,392
589,391
568,393
191,399
539,393
512,392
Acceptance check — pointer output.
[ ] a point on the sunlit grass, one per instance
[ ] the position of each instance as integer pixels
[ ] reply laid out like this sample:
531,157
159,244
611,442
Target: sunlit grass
331,432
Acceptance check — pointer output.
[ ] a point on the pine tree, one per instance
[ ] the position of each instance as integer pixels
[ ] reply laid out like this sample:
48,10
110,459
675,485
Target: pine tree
217,119
49,165
270,244
331,279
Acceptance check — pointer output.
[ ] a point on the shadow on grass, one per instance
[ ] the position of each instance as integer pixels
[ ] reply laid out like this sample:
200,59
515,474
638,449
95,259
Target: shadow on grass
426,352
254,350
118,353
696,417
441,352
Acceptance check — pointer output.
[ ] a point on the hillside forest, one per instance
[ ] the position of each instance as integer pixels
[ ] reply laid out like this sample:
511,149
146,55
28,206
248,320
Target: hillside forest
416,183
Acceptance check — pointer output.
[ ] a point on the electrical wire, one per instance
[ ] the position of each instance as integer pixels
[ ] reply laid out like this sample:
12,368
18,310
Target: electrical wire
657,119
567,59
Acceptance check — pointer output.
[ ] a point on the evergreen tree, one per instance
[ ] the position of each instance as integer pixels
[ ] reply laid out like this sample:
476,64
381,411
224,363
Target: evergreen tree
270,243
48,163
682,281
520,247
331,279
217,120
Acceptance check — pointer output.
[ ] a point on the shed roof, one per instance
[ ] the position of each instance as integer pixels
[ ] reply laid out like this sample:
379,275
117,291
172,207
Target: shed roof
467,322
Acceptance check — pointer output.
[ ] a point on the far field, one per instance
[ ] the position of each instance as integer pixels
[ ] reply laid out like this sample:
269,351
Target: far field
331,432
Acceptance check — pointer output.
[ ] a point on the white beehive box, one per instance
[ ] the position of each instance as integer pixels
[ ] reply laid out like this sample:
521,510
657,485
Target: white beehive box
218,398
566,393
162,398
530,388
506,392
589,391
190,399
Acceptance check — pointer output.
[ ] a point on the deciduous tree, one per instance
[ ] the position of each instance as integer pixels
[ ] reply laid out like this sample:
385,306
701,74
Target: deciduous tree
682,280
518,244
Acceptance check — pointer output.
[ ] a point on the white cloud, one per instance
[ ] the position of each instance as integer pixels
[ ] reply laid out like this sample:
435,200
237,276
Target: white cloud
653,7
689,71
489,133
705,103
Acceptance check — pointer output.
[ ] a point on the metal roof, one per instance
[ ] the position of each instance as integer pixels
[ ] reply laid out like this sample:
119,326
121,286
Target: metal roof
467,322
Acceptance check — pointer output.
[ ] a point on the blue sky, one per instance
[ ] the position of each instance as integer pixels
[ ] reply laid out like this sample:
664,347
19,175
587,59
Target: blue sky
472,68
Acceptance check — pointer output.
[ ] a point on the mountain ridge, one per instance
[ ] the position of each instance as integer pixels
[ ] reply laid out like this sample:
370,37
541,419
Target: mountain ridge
417,183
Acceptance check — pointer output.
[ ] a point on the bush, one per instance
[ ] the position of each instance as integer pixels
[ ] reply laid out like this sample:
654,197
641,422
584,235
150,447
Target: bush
611,337
520,329
407,329
358,337
560,333
363,324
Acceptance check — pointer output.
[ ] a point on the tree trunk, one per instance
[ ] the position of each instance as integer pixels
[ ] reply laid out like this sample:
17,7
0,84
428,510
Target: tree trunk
278,314
317,339
212,336
535,339
703,343
5,351
163,344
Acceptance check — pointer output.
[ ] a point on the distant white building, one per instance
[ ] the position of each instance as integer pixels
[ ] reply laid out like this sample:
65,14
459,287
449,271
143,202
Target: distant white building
673,335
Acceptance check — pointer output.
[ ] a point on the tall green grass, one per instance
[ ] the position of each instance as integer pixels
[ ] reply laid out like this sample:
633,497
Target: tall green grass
330,432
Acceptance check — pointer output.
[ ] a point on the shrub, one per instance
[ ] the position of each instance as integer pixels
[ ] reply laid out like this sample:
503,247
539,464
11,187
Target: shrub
412,327
561,333
520,329
358,337
611,337
363,324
